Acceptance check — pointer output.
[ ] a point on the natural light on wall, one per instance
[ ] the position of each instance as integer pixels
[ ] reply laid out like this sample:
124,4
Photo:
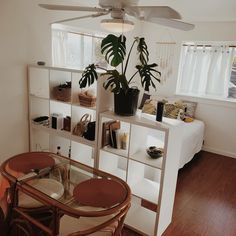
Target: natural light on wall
207,70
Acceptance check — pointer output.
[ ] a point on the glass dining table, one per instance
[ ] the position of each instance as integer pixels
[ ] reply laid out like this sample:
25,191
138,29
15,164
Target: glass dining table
43,187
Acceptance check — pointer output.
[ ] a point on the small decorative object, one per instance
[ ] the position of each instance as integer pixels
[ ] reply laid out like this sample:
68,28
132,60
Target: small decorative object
58,150
87,99
41,63
81,127
165,59
62,92
125,94
67,123
124,141
41,120
57,121
69,152
154,152
160,109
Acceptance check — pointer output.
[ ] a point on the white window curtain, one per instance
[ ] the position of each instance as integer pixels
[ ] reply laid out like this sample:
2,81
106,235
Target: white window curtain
59,47
205,70
75,50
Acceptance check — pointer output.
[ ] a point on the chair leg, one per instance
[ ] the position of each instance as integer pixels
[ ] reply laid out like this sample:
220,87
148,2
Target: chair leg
2,223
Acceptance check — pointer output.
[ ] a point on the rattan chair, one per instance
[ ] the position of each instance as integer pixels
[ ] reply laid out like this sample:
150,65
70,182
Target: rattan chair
103,225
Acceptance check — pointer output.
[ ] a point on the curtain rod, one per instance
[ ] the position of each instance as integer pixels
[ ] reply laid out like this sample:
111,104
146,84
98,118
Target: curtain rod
208,45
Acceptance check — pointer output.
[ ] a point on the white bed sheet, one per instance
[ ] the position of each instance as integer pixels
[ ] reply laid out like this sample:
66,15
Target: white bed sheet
192,141
191,138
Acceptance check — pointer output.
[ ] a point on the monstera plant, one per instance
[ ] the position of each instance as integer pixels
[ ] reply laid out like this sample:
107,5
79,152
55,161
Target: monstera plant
125,95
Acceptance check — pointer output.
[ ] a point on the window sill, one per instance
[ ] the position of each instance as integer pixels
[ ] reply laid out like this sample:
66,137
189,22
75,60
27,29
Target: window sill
225,102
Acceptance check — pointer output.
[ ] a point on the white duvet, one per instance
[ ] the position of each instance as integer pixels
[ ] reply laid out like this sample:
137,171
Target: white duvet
191,137
192,141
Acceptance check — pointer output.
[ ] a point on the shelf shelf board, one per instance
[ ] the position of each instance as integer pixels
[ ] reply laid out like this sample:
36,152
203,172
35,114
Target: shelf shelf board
39,97
64,134
119,152
59,101
146,189
82,140
137,120
78,105
117,172
141,219
143,157
57,68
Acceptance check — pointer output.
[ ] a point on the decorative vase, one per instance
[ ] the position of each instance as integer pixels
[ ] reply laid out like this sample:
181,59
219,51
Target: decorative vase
126,103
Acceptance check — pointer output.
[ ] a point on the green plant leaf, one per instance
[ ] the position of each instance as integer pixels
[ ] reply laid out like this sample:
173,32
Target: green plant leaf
89,76
112,82
147,74
143,51
114,49
115,81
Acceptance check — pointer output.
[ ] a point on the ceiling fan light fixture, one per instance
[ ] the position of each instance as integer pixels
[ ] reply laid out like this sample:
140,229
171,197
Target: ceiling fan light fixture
117,25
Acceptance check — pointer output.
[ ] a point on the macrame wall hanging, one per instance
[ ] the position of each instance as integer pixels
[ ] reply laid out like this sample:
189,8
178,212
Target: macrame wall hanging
165,59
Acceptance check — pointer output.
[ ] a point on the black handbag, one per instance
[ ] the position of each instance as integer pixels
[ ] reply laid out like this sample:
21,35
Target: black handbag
90,131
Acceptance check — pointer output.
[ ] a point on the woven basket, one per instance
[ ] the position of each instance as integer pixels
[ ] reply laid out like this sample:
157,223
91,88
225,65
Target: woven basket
62,94
87,101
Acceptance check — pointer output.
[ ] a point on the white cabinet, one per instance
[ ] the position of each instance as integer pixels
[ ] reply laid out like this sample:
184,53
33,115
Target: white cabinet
152,181
43,101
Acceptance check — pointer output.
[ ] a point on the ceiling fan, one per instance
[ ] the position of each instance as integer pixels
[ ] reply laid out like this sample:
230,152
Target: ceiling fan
119,9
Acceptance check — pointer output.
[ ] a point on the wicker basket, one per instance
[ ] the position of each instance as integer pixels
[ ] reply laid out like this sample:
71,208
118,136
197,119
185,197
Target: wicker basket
62,94
87,101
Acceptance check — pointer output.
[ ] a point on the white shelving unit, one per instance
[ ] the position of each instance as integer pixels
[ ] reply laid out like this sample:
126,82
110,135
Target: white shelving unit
41,81
152,181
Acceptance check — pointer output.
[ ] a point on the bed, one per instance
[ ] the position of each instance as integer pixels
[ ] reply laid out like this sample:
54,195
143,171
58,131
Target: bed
191,137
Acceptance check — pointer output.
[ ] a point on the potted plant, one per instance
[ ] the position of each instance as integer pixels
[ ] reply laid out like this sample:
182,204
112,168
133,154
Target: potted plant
125,95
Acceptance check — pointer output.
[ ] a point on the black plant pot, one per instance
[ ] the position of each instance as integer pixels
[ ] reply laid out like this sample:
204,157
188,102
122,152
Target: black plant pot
126,103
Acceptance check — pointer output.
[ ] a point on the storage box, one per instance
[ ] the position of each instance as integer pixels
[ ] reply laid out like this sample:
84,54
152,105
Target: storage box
86,100
57,121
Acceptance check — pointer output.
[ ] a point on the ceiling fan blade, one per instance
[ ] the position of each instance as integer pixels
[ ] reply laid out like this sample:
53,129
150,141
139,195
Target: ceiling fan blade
80,17
172,23
152,11
72,8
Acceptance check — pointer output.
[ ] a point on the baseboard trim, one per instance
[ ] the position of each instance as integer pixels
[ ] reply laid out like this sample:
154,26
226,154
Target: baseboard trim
217,151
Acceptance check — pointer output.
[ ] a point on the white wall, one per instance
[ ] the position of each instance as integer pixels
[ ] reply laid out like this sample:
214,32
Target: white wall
25,39
219,117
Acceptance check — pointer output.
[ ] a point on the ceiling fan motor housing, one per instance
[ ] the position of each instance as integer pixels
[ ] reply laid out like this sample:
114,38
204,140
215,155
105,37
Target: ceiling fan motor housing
117,13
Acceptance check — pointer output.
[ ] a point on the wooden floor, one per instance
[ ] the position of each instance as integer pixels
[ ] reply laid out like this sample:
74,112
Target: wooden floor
205,202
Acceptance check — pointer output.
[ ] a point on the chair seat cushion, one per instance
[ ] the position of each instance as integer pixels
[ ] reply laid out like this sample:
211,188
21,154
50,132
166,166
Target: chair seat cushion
51,187
70,224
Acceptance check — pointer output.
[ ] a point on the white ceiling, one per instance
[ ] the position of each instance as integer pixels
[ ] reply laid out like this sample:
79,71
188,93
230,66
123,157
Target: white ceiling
191,10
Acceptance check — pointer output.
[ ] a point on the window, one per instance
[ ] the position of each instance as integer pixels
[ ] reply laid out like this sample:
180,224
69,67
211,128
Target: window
75,50
207,70
232,83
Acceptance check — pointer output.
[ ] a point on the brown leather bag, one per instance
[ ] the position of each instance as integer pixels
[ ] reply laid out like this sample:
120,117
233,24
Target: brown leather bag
81,126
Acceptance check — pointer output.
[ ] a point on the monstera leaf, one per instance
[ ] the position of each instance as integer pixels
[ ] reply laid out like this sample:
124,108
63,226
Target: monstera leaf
146,73
143,51
114,49
115,81
89,76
